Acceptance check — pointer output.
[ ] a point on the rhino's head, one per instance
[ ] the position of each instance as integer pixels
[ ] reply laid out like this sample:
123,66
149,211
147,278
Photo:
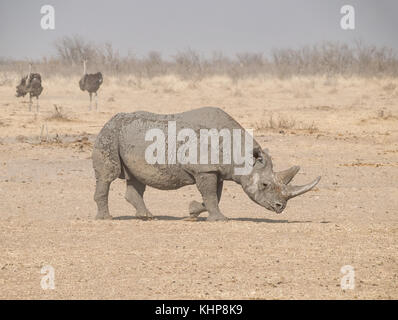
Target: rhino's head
271,189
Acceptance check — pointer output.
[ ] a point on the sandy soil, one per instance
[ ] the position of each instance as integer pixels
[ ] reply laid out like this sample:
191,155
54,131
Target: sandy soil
343,129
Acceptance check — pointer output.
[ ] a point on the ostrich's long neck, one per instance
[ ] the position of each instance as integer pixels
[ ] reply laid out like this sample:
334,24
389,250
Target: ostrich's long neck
30,71
84,68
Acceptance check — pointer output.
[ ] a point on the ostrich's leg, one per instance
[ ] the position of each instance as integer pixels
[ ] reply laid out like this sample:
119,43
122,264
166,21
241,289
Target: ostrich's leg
96,101
37,105
91,98
30,103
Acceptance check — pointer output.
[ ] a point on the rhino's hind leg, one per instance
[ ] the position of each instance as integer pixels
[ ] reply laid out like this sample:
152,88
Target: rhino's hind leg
134,194
196,207
107,168
101,198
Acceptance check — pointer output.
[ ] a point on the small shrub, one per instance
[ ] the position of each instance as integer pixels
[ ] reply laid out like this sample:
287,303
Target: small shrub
280,124
389,87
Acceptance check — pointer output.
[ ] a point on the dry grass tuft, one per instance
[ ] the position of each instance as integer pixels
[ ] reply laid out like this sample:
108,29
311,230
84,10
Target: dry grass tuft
275,123
302,95
281,123
385,114
3,124
389,87
58,115
333,91
381,115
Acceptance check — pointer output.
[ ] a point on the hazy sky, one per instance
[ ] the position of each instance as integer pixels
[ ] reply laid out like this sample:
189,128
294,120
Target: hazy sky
168,26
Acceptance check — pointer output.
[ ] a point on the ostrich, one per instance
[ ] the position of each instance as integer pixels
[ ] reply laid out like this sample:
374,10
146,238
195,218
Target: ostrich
30,84
91,83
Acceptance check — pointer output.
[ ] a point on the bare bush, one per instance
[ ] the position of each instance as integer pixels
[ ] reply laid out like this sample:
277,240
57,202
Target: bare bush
327,59
336,59
189,64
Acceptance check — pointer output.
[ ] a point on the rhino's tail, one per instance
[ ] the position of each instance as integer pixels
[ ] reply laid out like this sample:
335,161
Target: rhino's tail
123,170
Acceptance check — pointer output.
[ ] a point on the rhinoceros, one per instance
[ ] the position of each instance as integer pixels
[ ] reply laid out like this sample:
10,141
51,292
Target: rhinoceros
121,151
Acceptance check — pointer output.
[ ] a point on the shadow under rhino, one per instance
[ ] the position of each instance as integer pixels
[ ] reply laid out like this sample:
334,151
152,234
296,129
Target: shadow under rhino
172,218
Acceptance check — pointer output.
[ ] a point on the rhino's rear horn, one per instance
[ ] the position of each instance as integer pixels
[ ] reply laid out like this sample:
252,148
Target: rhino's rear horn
294,191
287,175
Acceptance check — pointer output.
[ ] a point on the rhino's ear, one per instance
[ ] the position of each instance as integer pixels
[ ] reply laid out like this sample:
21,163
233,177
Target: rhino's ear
257,154
260,156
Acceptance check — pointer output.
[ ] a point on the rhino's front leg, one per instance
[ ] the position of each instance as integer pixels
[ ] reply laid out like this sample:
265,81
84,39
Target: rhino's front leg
134,194
196,208
207,184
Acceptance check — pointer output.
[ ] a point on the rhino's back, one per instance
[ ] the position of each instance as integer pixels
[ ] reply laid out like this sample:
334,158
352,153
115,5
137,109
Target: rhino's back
206,117
134,126
209,118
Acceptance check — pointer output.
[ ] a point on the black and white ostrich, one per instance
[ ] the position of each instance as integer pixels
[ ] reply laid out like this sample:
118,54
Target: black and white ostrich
30,84
91,83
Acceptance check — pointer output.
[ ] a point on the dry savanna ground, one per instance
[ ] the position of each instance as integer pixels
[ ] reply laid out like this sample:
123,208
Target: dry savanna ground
344,129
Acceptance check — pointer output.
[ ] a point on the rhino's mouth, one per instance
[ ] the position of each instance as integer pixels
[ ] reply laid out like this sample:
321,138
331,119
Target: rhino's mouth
265,204
278,208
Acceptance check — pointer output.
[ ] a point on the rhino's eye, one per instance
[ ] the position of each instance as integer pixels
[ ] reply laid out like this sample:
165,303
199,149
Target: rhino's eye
258,160
265,185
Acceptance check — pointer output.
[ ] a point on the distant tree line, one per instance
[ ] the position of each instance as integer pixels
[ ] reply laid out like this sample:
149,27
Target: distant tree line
328,59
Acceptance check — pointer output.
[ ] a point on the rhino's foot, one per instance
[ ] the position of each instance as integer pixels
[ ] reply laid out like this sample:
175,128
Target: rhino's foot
196,208
103,217
145,215
217,217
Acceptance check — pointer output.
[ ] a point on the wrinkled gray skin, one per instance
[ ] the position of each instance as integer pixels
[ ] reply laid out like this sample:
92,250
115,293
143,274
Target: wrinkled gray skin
119,152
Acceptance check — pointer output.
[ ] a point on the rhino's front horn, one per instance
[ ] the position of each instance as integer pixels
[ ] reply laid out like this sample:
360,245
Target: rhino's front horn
294,191
287,175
